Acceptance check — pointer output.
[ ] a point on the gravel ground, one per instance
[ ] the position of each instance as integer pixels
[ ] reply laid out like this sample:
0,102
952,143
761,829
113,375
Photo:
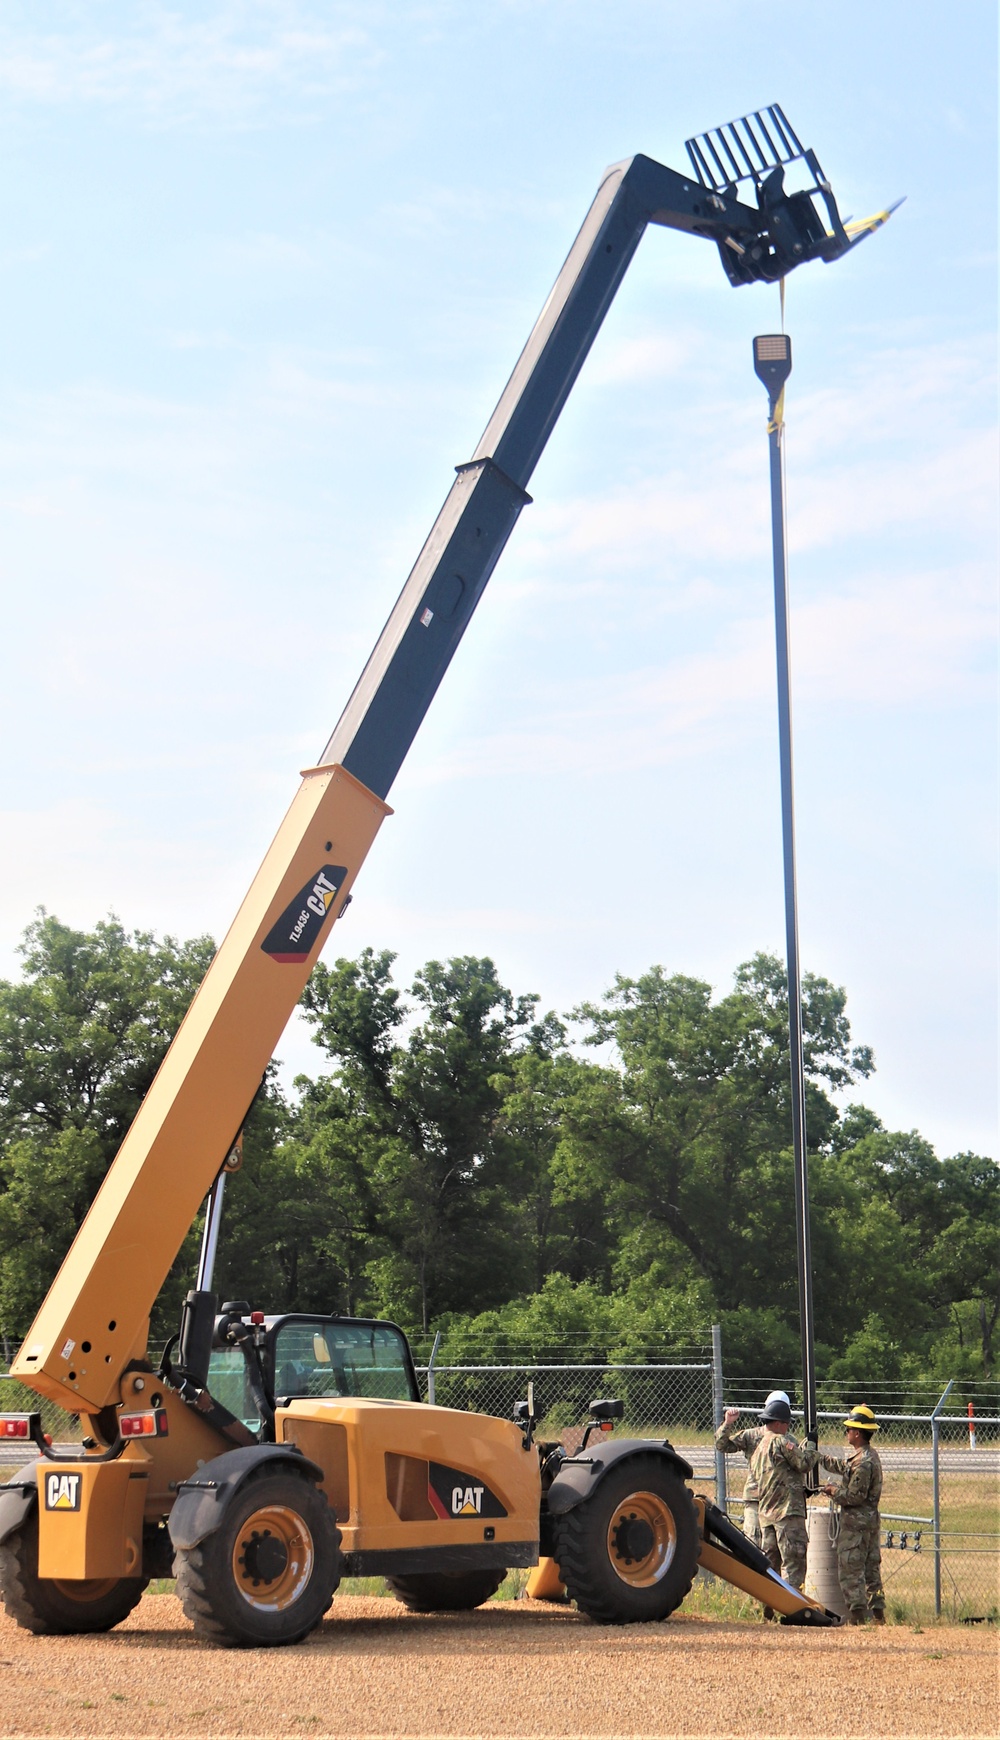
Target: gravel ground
510,1669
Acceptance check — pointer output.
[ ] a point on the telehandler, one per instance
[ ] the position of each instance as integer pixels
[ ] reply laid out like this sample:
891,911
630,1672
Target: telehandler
267,1457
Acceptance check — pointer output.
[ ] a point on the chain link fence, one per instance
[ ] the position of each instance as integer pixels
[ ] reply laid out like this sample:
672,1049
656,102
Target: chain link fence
62,1428
940,1540
661,1401
941,1492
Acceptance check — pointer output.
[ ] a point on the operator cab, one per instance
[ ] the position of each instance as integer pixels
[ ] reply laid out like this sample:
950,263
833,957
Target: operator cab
306,1355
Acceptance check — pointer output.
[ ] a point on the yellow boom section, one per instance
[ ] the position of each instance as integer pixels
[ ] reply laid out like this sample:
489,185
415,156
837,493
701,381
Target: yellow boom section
96,1315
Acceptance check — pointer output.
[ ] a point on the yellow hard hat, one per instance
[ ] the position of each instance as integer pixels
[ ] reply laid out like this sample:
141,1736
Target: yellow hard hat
862,1419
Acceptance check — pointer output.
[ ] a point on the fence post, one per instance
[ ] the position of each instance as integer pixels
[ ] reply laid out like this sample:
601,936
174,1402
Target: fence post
936,1505
431,1397
717,1410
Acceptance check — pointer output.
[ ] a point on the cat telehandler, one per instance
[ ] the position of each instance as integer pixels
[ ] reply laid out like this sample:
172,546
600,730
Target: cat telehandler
267,1457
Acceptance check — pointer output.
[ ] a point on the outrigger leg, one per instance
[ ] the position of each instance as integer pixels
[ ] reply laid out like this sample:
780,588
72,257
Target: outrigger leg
728,1554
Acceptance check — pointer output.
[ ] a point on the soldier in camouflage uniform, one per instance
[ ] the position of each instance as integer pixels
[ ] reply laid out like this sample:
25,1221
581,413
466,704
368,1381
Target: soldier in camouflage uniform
729,1442
778,1465
859,1555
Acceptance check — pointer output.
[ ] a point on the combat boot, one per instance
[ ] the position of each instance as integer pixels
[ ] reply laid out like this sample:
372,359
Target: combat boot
878,1615
859,1616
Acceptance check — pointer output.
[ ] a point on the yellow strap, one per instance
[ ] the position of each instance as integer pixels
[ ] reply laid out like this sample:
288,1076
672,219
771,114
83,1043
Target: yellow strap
777,422
867,226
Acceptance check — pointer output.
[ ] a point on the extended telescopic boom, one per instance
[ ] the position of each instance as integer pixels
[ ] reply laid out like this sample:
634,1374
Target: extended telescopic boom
95,1318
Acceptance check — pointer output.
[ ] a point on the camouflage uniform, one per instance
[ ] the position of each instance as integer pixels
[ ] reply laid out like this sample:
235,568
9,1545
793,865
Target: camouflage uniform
729,1441
777,1465
859,1556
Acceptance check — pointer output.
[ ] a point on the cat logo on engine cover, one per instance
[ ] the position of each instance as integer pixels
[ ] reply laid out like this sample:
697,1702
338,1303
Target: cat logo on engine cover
453,1493
62,1491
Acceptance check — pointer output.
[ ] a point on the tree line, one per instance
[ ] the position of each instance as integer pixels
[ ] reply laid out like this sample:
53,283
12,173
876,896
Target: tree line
611,1181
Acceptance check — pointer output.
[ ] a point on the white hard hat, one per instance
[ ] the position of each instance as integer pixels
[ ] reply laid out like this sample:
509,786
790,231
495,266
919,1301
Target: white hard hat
778,1396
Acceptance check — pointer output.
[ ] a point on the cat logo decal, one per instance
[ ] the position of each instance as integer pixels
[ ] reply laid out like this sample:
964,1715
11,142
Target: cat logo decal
62,1492
454,1494
292,938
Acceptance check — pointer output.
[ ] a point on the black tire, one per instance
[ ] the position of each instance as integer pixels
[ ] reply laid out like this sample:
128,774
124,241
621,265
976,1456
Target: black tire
56,1607
445,1591
268,1573
629,1554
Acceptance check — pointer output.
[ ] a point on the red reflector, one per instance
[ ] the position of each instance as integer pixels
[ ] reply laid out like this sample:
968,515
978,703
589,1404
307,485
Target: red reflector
14,1426
153,1424
137,1425
606,1425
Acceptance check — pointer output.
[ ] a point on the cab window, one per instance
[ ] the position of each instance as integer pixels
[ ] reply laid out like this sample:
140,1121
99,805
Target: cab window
319,1358
227,1382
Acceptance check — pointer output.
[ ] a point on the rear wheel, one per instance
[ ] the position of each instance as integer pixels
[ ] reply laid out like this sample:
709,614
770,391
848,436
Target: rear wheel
629,1553
56,1605
268,1573
445,1591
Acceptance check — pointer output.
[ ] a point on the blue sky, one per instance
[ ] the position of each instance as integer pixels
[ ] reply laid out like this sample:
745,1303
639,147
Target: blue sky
265,271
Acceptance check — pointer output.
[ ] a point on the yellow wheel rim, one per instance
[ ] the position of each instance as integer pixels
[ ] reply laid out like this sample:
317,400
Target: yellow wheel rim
642,1539
85,1588
273,1558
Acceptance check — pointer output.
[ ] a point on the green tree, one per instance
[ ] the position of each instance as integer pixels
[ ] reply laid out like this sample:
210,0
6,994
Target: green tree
437,1199
83,1032
939,1243
690,1135
82,1035
552,1229
966,1254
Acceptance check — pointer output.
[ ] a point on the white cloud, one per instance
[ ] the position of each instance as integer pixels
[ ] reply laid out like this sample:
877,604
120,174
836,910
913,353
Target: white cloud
225,62
645,357
880,642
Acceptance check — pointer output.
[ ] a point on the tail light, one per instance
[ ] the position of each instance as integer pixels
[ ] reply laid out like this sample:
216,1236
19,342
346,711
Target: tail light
15,1425
149,1425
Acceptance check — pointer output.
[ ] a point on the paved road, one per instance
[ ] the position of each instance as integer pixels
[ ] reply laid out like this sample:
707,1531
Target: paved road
952,1459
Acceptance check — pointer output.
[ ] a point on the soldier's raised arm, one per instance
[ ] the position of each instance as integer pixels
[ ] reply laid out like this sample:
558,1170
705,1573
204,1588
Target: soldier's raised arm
801,1457
727,1439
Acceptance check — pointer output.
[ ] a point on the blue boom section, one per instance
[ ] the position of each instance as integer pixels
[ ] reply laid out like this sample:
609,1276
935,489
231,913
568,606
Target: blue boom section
436,604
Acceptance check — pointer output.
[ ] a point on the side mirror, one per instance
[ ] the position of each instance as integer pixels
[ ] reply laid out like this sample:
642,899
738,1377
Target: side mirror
607,1410
526,1418
602,1415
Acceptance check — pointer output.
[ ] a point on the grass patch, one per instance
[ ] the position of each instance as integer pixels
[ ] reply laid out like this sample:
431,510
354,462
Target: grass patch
969,1502
711,1598
365,1586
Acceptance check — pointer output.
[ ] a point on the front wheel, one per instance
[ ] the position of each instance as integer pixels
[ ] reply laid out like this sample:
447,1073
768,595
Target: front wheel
445,1591
55,1606
629,1553
268,1573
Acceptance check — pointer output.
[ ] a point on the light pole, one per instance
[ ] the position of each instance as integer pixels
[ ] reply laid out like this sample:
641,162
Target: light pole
772,358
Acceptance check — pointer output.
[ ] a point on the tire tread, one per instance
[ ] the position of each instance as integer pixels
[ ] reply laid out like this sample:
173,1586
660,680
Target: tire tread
23,1593
441,1592
206,1609
575,1553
